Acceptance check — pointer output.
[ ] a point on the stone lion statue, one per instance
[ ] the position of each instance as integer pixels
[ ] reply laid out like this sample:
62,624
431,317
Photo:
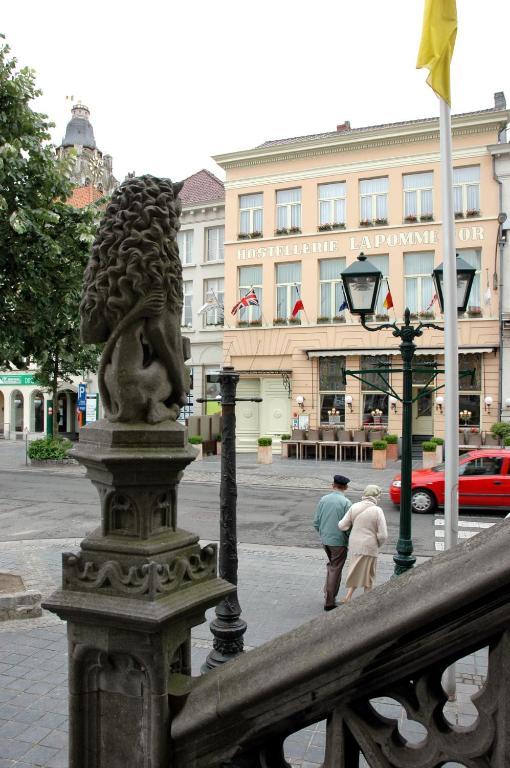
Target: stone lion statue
132,300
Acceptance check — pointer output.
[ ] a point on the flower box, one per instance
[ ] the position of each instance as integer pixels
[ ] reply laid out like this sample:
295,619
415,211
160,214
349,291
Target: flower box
426,315
265,450
339,319
253,235
427,217
255,323
381,222
280,321
324,227
379,448
472,213
459,215
365,223
338,225
295,231
323,320
243,236
294,321
242,323
475,312
282,231
411,219
382,317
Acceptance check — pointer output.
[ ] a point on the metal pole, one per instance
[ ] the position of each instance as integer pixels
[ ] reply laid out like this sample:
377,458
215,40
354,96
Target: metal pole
228,628
404,558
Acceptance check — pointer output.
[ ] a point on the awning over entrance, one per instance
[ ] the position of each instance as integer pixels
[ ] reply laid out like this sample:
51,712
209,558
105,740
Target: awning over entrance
311,353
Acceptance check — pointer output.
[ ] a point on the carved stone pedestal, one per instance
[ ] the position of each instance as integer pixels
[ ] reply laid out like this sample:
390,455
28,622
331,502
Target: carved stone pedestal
131,597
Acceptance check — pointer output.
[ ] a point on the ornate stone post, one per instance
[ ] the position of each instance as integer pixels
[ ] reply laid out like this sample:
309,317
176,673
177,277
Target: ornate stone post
139,583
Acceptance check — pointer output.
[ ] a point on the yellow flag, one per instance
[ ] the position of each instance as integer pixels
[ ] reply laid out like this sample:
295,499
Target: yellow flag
437,44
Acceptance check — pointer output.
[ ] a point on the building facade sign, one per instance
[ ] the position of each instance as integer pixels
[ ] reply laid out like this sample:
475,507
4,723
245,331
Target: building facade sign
17,379
364,242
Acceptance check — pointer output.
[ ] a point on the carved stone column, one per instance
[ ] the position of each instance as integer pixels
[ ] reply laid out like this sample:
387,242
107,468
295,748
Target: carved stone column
131,597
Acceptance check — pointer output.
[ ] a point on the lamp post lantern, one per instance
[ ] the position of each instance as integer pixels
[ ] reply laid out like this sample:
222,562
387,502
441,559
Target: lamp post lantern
361,282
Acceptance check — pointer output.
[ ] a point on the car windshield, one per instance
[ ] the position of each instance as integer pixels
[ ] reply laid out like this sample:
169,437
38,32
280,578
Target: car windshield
438,468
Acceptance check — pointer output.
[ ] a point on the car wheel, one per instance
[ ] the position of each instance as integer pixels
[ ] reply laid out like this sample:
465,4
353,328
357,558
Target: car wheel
422,501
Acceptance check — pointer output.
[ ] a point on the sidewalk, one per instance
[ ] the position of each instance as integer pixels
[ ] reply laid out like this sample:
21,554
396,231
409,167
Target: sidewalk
280,588
282,473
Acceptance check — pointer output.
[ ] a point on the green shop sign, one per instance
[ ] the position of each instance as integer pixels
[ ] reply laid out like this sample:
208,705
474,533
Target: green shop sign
17,379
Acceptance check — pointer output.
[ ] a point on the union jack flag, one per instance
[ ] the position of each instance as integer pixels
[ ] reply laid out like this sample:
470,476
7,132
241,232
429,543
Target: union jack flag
250,299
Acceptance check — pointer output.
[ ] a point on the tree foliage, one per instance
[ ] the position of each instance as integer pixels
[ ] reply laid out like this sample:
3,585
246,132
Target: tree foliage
44,243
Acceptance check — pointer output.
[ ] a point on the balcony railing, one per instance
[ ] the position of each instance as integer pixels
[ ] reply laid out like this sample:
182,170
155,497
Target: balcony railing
396,641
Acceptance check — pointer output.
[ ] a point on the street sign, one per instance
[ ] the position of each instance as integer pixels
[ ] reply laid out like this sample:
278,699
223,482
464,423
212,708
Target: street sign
82,396
17,379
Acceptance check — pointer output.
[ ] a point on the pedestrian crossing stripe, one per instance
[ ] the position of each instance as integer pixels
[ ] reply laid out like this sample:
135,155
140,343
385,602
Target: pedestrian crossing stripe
473,526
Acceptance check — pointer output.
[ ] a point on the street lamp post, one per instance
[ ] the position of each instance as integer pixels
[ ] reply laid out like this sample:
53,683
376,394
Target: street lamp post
228,628
361,282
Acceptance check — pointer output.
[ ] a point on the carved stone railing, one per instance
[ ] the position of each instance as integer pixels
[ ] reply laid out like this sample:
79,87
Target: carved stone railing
395,641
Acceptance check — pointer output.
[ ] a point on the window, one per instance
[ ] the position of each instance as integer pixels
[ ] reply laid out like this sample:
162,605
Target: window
382,262
418,196
185,243
215,237
250,277
485,465
332,203
374,401
473,257
187,316
288,288
470,390
288,209
331,289
332,388
374,200
251,214
419,288
466,190
214,289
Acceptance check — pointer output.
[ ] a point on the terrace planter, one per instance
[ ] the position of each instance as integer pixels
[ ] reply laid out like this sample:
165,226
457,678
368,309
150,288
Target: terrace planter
379,458
265,454
392,451
429,459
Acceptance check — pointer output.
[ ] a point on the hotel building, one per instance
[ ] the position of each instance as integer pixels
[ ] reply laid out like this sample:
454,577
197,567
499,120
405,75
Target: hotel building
299,210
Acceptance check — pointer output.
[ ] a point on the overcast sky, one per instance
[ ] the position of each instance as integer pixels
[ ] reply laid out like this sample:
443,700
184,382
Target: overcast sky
171,83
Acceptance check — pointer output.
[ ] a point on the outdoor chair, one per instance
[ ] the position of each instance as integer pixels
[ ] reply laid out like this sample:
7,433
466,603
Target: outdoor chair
346,444
294,442
474,439
490,440
311,441
327,443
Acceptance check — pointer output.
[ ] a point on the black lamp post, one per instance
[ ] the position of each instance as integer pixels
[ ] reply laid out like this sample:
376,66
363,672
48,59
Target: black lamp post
361,282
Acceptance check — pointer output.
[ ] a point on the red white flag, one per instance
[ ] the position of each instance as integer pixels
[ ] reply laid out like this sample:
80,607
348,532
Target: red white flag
432,302
298,307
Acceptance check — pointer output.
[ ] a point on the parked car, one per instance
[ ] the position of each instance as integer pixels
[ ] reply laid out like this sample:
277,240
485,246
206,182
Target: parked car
484,481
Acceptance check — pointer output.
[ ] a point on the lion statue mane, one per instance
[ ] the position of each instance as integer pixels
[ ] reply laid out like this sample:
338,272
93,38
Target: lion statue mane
132,300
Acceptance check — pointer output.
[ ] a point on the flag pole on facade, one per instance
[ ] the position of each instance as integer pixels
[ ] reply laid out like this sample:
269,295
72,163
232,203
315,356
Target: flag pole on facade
436,51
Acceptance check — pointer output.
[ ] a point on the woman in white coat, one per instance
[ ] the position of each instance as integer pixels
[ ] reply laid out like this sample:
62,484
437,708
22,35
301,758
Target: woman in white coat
367,525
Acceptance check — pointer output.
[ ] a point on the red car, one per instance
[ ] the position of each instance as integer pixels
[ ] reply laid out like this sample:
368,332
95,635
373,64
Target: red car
484,481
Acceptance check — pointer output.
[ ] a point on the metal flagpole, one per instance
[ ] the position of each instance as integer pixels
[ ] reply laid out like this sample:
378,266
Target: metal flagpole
451,347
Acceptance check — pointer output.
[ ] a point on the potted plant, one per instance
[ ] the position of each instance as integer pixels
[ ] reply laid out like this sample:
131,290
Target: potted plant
472,212
506,443
459,215
323,319
280,321
339,319
379,454
324,227
439,448
411,218
281,231
294,321
382,316
197,441
429,454
381,222
338,225
256,323
255,234
426,314
501,429
365,223
242,323
426,217
295,231
265,450
284,446
218,445
243,236
392,447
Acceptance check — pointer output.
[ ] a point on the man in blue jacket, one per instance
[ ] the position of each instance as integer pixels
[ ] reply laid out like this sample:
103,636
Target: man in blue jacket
330,511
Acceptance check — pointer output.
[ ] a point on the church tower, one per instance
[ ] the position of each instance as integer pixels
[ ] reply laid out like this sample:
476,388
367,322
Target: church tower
91,172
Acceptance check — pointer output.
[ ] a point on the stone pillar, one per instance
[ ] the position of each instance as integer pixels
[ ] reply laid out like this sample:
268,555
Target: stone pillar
131,596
